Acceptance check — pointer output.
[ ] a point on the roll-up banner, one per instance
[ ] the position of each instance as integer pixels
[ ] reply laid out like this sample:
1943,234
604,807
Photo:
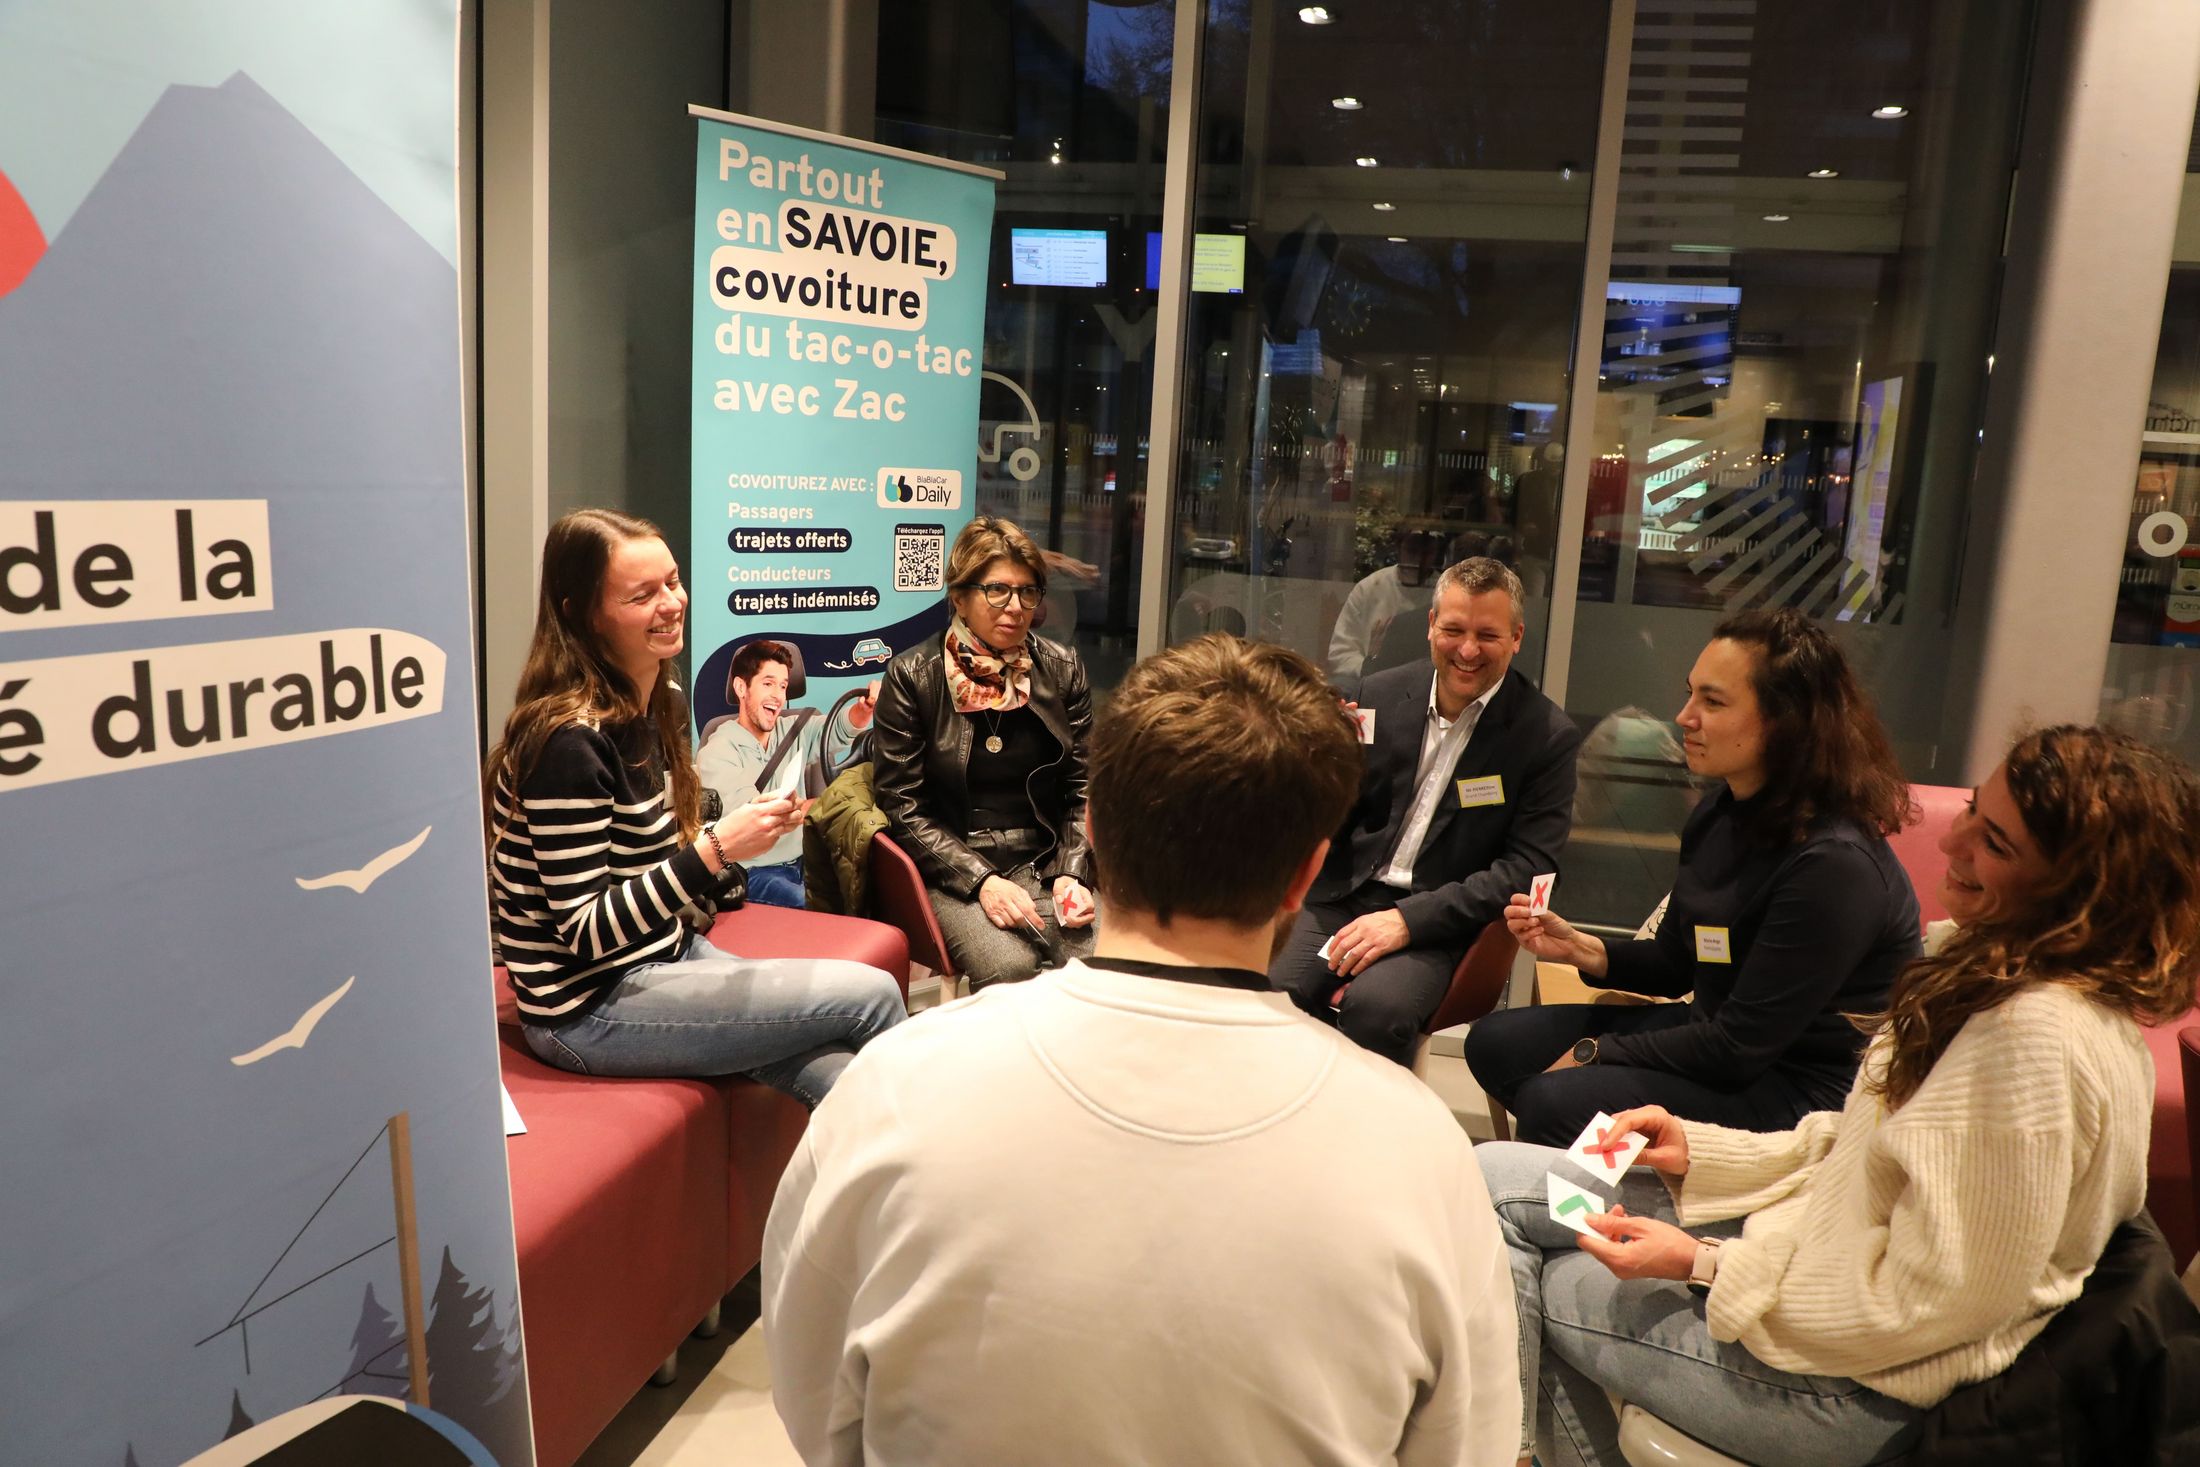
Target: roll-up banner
839,338
253,1198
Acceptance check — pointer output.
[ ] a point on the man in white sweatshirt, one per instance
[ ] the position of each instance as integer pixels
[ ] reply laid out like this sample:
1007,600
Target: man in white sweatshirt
1142,1210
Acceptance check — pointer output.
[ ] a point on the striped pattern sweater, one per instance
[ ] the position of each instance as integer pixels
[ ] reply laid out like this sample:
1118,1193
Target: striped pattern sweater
590,874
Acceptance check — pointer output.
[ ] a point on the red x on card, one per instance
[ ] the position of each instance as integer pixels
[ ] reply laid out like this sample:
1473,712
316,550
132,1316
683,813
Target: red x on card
1606,1147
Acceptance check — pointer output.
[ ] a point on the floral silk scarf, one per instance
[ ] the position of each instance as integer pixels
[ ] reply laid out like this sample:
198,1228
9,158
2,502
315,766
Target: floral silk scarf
982,679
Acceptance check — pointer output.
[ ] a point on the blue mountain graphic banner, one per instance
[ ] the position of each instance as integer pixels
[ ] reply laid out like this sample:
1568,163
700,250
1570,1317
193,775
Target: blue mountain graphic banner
255,1167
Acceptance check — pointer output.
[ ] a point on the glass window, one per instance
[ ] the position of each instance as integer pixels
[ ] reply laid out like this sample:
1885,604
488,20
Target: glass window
1794,357
621,242
1070,99
2154,652
1391,212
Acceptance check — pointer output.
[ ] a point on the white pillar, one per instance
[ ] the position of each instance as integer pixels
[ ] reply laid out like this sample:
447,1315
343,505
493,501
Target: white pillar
2095,211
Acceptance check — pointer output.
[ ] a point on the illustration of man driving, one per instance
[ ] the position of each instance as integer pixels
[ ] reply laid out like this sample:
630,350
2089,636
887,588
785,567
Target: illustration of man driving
765,745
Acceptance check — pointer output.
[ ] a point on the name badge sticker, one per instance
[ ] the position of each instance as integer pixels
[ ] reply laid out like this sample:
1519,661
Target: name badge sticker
1713,945
1476,793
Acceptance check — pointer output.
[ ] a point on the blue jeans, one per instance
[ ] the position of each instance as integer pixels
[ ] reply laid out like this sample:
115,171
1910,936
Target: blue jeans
793,1023
1584,1333
778,886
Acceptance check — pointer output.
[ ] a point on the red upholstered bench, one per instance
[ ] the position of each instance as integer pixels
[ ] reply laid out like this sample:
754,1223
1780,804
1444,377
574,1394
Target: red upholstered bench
767,1126
637,1203
619,1214
2170,1174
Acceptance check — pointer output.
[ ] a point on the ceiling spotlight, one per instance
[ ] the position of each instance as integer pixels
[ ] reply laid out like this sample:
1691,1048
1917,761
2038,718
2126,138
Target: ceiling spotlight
1776,218
1890,112
1396,239
1385,208
1056,156
1823,173
1364,161
1315,14
1345,104
1565,173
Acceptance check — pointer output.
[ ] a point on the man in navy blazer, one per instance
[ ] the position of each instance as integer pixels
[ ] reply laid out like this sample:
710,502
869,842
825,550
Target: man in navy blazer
1468,792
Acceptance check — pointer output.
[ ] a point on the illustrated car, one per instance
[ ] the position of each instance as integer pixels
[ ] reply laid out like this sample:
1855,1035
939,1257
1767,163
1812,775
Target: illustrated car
871,649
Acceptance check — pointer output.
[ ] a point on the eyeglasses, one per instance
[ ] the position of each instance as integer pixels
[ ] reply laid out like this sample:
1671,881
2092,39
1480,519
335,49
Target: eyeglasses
999,593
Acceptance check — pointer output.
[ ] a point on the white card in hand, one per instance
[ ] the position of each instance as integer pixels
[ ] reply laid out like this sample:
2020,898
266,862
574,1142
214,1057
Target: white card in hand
1322,952
1539,893
1365,717
1603,1155
1571,1205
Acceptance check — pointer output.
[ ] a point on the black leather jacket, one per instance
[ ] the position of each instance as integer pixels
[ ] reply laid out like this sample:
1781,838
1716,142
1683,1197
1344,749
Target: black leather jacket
920,755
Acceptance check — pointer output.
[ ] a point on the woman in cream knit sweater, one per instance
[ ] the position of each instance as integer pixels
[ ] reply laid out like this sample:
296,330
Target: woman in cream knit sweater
1803,1297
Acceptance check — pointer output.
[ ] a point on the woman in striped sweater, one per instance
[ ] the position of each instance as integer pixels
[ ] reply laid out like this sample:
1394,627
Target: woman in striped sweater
1804,1296
602,870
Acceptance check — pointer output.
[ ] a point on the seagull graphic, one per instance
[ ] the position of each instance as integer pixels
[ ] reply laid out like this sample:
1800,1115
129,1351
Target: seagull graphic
296,1035
368,874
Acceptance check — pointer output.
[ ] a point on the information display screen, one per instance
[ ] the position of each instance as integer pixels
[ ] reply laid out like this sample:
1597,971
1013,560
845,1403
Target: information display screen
1218,263
1058,256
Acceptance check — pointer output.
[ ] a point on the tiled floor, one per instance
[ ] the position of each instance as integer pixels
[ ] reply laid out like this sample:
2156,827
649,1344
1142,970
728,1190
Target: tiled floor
719,1413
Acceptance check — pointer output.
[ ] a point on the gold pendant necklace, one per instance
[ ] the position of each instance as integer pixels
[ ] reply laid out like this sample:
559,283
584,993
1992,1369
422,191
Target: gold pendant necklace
993,738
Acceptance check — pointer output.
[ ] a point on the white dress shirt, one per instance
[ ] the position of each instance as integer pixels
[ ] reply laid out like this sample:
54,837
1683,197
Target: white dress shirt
1442,742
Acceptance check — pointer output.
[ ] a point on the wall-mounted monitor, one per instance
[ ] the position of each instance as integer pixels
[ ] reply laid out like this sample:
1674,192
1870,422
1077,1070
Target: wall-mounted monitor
1058,256
1218,263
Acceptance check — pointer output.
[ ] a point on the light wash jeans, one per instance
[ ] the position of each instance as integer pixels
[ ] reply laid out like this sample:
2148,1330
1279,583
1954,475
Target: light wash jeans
778,886
793,1023
1584,1333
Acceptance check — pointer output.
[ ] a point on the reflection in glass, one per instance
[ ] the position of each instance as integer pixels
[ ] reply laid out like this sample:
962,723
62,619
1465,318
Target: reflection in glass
1391,209
2153,685
1070,99
1791,373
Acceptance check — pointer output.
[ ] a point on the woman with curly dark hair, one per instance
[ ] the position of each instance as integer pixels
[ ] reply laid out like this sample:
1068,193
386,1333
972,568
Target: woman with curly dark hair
1856,1270
1788,912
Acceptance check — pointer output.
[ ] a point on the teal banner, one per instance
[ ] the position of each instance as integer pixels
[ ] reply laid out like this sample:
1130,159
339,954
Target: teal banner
839,338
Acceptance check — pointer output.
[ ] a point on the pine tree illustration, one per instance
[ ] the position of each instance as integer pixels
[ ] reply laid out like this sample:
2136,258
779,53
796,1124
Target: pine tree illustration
474,1362
466,1349
129,1454
238,1420
378,1354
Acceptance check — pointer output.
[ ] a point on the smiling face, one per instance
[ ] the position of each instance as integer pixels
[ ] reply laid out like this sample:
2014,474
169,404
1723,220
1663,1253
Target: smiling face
762,698
641,614
1472,636
1722,726
999,627
1994,867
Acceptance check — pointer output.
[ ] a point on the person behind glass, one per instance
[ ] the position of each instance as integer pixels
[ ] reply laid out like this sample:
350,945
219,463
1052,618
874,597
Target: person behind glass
1468,793
978,761
603,873
1853,1272
1788,912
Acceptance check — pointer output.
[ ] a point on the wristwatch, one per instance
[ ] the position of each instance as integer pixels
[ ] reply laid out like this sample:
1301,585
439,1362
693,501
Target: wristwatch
1585,1051
1705,1269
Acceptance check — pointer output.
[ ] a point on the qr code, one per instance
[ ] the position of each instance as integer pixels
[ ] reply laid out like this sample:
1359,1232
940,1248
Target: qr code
919,551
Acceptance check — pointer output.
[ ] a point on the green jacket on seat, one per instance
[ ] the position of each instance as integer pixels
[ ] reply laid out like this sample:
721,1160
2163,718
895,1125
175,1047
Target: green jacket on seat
836,843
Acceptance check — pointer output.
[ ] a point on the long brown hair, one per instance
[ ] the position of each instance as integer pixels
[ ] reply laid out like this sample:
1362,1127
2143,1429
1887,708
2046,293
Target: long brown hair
569,679
1827,756
2119,918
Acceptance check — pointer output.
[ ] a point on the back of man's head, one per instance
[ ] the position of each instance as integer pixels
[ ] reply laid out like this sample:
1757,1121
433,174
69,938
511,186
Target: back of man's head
1217,768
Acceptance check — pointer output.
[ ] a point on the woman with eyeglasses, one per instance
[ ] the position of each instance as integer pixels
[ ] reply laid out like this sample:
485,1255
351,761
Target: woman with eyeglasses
978,749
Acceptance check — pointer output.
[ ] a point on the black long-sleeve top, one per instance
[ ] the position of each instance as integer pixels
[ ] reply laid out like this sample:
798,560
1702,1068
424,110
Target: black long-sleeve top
1813,930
